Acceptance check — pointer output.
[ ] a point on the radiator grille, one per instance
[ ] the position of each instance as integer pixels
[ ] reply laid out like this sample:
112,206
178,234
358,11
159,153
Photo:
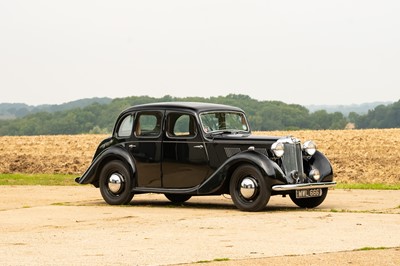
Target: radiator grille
292,158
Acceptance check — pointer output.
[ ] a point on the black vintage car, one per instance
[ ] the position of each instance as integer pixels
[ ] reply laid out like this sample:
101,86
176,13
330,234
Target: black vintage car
185,149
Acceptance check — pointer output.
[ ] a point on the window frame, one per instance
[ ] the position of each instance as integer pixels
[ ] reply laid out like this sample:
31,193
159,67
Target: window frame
192,119
156,113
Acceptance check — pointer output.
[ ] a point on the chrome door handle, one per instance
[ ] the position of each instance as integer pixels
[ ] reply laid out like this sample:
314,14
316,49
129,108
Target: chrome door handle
199,147
131,146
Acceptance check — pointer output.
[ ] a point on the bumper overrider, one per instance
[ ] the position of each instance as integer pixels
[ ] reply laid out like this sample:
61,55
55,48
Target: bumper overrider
291,187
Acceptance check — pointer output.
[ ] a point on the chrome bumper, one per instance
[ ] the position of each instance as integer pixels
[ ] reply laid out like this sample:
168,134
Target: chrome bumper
303,186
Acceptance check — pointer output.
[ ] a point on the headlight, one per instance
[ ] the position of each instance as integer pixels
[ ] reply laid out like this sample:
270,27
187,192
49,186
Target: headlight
310,147
278,149
314,174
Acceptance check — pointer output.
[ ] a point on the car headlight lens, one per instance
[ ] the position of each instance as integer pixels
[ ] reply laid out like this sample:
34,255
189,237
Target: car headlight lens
314,174
310,147
278,149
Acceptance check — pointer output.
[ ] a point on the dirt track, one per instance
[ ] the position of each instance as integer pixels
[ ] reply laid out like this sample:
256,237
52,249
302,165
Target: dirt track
73,226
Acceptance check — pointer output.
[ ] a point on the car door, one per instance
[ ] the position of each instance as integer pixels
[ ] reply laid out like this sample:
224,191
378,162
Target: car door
146,147
185,161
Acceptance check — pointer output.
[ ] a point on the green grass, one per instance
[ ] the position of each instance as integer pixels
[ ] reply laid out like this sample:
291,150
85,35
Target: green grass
376,186
69,180
214,260
37,179
371,248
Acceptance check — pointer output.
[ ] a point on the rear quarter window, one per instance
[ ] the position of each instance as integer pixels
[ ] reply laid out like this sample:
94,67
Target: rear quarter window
125,127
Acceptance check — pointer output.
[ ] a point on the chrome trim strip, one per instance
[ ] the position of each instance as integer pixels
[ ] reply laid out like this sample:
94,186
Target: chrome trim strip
303,186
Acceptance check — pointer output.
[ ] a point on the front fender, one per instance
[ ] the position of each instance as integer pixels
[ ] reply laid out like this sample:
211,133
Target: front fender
321,162
219,177
91,175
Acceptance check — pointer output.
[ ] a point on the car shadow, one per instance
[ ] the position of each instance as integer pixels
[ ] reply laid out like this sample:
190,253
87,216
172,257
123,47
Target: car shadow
205,205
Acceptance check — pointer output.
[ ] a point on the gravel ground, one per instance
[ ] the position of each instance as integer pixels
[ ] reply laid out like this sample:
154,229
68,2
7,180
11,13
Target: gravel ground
42,225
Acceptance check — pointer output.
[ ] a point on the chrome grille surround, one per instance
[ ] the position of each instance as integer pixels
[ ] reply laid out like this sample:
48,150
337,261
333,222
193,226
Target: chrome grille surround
292,160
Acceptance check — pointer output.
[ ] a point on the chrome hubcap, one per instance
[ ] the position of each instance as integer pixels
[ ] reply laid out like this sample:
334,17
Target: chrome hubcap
115,182
248,187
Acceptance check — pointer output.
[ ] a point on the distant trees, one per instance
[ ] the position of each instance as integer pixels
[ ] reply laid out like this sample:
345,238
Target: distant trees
263,115
324,120
382,116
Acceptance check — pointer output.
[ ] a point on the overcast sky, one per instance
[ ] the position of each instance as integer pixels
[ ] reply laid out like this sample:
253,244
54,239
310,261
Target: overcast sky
304,52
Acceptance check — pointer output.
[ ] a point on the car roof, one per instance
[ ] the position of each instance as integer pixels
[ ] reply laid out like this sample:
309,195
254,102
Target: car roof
194,106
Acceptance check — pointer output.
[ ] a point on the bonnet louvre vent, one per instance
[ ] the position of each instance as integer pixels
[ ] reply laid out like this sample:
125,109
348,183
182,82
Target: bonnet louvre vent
261,150
231,151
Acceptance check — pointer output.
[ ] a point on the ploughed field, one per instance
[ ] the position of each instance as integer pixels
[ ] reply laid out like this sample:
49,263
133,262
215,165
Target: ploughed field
357,156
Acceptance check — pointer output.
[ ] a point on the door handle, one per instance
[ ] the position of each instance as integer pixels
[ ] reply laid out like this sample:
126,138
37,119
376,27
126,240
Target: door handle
131,146
199,147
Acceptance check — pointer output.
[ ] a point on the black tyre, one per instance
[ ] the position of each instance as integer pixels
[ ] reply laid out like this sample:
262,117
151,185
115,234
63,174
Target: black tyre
248,189
116,183
177,198
309,202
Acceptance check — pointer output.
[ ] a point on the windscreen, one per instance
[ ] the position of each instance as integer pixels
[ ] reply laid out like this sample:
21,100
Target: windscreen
224,121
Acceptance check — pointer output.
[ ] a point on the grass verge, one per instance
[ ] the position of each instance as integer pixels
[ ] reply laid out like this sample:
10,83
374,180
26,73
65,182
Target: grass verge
376,186
69,180
214,260
372,248
37,180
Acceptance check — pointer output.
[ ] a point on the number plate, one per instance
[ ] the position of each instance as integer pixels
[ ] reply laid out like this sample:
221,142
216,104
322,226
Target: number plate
308,193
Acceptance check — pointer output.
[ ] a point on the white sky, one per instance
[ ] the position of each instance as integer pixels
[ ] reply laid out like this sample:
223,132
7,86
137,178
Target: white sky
304,52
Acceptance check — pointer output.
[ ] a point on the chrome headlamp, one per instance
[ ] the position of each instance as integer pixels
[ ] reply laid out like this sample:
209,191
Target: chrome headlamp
309,147
278,149
315,174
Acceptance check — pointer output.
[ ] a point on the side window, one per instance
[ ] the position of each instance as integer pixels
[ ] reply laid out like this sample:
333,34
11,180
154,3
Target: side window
181,125
125,128
148,124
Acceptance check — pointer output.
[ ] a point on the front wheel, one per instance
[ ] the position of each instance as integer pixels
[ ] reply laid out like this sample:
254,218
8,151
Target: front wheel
309,202
116,183
248,189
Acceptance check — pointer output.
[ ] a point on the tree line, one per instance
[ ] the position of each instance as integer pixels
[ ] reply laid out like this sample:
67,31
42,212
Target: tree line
262,115
17,110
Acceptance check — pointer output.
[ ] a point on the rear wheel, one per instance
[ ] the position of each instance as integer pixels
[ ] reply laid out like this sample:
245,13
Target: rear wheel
248,189
177,198
116,183
309,202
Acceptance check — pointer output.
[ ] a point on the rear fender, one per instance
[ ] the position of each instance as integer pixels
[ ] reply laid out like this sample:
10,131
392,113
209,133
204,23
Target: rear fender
91,176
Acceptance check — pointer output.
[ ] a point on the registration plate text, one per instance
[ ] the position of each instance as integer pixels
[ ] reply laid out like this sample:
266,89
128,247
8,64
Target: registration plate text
308,193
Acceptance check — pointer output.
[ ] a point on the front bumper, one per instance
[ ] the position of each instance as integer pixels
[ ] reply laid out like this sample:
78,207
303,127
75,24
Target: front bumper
291,187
